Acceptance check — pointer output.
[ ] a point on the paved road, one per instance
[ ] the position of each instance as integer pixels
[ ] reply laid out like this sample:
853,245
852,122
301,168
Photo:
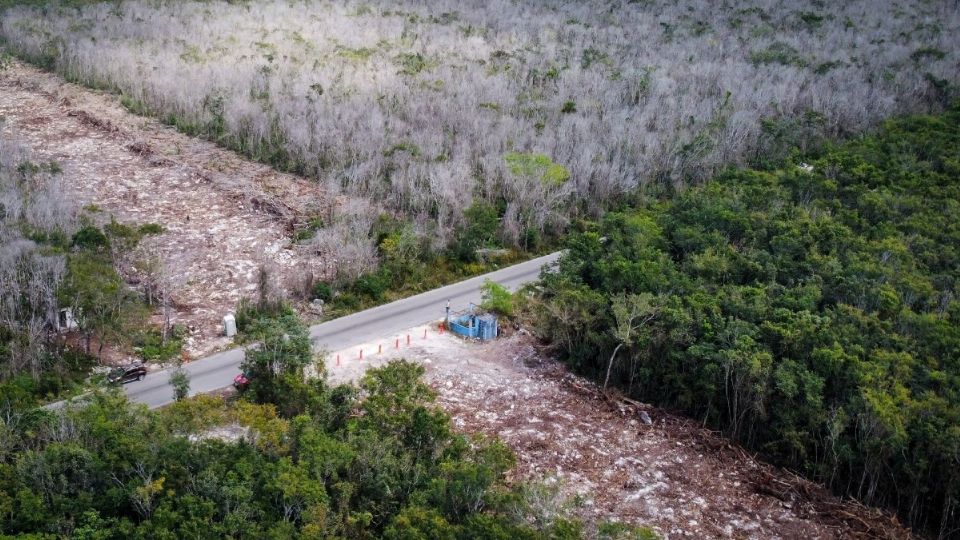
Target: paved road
217,371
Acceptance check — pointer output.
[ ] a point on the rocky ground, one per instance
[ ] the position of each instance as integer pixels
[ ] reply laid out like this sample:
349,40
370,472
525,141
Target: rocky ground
611,458
223,215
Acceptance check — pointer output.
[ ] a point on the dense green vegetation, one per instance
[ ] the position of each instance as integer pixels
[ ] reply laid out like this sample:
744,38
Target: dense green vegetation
408,265
812,314
378,460
67,374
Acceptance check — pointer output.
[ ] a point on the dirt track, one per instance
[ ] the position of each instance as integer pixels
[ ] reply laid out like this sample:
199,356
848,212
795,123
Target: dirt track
223,215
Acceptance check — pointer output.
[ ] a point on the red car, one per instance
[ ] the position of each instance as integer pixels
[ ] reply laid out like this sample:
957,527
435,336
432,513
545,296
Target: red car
241,381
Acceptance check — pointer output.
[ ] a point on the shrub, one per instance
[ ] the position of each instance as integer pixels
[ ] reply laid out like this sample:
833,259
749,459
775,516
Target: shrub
322,291
180,381
615,530
250,312
479,230
150,228
777,53
496,299
401,251
403,146
591,56
927,52
372,285
153,348
348,301
537,166
825,67
20,392
89,237
359,55
412,63
23,391
811,21
308,230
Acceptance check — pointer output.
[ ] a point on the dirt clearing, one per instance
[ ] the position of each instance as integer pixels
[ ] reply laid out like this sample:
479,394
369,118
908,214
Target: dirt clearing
669,474
223,215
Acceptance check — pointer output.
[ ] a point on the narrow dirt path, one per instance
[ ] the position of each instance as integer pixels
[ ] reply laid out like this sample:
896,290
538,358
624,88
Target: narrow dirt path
223,215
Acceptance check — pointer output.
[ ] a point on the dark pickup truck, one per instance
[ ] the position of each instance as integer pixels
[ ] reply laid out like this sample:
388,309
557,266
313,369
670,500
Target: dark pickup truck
123,375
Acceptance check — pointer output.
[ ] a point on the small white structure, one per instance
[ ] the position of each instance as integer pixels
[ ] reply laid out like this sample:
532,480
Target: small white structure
229,325
66,321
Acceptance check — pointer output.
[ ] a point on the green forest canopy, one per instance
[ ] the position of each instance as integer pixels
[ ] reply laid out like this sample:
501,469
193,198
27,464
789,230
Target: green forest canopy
379,463
308,460
811,314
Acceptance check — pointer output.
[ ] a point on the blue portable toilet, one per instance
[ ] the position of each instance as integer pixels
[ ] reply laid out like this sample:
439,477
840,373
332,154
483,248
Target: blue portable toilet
482,327
486,327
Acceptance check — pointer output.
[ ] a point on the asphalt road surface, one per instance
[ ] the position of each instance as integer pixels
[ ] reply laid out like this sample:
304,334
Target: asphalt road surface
217,371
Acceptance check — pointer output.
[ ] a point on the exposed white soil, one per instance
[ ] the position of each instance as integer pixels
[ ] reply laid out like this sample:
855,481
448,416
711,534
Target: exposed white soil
672,475
223,215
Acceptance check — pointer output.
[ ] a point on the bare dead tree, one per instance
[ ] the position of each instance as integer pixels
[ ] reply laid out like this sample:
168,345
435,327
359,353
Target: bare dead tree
660,92
31,198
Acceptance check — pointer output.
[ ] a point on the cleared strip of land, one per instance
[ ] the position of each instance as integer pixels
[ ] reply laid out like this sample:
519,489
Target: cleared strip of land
222,215
601,456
